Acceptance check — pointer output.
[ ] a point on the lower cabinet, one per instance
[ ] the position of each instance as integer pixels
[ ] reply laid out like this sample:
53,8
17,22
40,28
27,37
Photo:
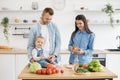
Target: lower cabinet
21,60
113,64
7,67
11,65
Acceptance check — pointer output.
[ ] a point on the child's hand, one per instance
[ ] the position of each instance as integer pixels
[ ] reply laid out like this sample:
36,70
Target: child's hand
42,57
32,60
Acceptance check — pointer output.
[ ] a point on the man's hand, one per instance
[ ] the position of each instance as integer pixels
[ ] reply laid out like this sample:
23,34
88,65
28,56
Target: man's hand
51,58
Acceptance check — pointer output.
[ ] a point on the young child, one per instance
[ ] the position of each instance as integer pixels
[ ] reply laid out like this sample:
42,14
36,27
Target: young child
38,52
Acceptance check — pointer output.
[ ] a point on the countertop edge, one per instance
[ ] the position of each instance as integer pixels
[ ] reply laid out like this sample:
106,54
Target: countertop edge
24,51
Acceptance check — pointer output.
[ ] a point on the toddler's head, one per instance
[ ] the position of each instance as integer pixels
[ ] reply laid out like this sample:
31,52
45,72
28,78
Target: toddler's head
39,42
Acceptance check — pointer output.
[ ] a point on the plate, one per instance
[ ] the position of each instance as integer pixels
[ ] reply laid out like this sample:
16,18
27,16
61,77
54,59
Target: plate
59,4
69,66
82,73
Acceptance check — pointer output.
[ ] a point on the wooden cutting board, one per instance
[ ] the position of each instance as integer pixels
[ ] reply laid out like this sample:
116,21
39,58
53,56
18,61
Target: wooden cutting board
5,47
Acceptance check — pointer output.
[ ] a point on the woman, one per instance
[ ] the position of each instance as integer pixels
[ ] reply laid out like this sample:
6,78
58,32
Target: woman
81,42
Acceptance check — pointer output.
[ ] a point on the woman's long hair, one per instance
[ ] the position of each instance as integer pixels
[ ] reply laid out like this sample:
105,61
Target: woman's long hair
83,18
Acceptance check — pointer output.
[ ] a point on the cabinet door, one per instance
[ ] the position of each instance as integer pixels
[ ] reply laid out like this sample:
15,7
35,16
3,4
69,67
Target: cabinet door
113,64
7,67
21,62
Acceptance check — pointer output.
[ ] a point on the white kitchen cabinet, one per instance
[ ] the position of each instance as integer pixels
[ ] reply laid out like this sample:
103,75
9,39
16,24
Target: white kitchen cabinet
11,65
21,60
113,64
7,67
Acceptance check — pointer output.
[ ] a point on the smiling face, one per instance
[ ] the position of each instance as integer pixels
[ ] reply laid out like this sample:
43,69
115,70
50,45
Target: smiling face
80,25
39,43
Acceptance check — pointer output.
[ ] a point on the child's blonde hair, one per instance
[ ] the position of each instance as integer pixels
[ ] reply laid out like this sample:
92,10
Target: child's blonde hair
39,37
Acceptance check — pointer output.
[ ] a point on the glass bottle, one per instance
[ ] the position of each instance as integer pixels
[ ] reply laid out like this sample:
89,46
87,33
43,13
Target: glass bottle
76,60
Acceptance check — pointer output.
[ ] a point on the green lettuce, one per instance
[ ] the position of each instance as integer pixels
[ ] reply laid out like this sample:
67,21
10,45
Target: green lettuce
34,67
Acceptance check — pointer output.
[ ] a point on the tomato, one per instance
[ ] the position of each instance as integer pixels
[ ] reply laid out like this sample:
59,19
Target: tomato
62,71
54,67
53,71
49,71
84,66
38,71
57,71
50,66
43,71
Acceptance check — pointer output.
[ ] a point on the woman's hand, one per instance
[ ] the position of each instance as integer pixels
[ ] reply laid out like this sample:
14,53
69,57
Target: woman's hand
75,49
80,52
72,49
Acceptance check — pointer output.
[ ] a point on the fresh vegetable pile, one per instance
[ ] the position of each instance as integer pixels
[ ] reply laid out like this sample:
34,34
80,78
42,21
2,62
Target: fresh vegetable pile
37,69
93,66
79,68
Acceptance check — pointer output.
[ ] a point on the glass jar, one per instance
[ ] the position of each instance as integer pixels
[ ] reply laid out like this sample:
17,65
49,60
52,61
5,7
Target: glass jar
35,5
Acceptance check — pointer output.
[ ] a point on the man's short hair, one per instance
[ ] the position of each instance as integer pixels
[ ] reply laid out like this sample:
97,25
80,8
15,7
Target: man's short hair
48,10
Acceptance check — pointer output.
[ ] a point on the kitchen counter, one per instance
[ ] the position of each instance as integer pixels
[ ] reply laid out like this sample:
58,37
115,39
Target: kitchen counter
23,51
67,75
13,51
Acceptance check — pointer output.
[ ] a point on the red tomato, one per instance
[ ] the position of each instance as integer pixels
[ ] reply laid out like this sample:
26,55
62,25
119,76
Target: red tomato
50,66
84,66
57,71
49,71
54,71
62,71
43,71
38,71
54,67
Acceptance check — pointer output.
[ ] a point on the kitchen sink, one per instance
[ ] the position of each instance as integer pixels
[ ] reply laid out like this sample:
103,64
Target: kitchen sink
113,49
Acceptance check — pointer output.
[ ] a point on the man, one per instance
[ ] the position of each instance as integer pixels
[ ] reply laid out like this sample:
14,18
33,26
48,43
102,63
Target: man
49,31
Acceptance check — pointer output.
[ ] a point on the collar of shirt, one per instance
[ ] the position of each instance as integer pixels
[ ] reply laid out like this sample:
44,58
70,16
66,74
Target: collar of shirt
38,48
82,31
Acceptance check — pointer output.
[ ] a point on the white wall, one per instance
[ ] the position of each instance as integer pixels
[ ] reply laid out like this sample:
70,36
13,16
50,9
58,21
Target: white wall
105,34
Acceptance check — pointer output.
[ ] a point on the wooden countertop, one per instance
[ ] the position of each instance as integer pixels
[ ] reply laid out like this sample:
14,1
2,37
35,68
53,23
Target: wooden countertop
24,51
13,51
68,74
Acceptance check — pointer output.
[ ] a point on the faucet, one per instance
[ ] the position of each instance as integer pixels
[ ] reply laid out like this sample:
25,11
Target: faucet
118,37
